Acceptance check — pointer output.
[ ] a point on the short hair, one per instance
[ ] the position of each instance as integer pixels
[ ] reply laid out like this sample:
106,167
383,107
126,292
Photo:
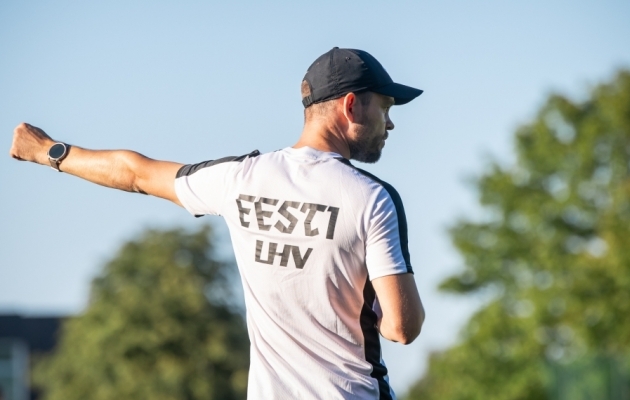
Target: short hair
323,108
316,109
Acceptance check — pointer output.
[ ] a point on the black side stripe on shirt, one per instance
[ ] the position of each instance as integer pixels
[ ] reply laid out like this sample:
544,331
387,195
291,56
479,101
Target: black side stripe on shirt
400,211
368,321
190,169
368,317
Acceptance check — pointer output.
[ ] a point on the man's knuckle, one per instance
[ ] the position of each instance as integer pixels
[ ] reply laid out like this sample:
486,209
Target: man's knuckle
20,128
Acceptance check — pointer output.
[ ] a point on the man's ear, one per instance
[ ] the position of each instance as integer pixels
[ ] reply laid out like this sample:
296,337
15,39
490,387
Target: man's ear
350,107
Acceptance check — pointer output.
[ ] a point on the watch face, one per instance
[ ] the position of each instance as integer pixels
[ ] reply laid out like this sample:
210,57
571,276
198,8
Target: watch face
57,150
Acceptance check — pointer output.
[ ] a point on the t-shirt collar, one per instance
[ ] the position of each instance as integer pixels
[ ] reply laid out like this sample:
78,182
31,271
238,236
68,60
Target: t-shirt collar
311,153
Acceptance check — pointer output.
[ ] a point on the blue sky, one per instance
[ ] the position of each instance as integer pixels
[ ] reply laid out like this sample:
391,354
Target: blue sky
191,81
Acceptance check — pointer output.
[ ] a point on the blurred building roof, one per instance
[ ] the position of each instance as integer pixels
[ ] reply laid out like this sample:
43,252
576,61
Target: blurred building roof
40,333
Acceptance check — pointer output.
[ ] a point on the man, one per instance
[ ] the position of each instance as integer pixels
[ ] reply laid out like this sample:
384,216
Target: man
321,245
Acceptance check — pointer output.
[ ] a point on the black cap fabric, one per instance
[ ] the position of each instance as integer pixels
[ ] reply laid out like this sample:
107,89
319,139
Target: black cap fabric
341,71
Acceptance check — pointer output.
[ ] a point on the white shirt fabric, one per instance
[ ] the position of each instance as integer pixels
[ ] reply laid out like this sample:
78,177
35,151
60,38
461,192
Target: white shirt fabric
309,232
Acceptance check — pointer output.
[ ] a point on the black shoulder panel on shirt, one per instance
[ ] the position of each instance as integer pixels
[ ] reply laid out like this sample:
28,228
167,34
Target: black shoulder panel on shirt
190,169
400,211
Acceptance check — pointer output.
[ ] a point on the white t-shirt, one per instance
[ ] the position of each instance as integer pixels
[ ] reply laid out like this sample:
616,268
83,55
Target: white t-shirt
310,231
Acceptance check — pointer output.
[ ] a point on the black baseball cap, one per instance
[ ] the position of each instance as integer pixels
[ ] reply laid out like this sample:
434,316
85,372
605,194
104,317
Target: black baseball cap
341,71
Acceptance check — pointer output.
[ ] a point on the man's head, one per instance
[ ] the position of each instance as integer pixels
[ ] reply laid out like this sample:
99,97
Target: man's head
351,88
364,117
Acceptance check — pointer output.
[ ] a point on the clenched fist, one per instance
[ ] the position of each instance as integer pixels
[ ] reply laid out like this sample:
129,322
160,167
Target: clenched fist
30,144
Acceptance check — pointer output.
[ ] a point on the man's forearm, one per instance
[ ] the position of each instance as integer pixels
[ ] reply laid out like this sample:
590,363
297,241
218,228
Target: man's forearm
118,169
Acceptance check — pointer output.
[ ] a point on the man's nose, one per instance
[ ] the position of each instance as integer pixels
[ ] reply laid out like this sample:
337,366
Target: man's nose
389,125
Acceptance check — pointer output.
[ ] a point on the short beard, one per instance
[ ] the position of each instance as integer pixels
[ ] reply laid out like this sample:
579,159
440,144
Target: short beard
364,148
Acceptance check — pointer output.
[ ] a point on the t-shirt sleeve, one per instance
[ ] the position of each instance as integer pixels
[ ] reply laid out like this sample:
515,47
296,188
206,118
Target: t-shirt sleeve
202,188
387,251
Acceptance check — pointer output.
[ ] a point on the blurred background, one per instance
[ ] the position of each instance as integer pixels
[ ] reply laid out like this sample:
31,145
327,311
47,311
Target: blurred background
513,166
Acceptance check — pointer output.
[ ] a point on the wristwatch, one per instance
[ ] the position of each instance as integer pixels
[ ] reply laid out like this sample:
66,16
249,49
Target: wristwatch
57,153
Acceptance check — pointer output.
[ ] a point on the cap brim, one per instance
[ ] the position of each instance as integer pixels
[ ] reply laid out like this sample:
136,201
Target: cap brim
402,94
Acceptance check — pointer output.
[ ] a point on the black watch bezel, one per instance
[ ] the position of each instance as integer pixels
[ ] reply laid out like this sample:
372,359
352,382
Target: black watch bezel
54,161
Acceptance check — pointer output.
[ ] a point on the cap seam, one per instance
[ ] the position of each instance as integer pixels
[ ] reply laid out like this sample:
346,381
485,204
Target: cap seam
336,72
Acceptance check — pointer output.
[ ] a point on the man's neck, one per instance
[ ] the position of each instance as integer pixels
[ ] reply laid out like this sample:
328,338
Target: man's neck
324,136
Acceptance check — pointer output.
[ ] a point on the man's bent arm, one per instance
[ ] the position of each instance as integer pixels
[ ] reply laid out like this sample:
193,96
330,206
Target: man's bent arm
118,169
401,307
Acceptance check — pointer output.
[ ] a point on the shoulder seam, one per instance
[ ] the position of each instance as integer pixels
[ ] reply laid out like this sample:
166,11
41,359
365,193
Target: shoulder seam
361,171
190,169
400,210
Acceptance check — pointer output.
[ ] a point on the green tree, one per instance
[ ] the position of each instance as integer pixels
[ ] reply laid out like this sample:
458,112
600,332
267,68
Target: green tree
159,325
553,254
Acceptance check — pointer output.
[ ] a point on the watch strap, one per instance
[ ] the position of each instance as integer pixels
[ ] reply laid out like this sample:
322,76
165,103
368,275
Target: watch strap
54,164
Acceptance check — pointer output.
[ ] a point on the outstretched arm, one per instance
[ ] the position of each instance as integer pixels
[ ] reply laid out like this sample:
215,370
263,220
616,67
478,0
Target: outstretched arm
118,169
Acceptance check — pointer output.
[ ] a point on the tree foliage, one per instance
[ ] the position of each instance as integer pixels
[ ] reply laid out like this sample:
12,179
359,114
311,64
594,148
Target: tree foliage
158,326
554,253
